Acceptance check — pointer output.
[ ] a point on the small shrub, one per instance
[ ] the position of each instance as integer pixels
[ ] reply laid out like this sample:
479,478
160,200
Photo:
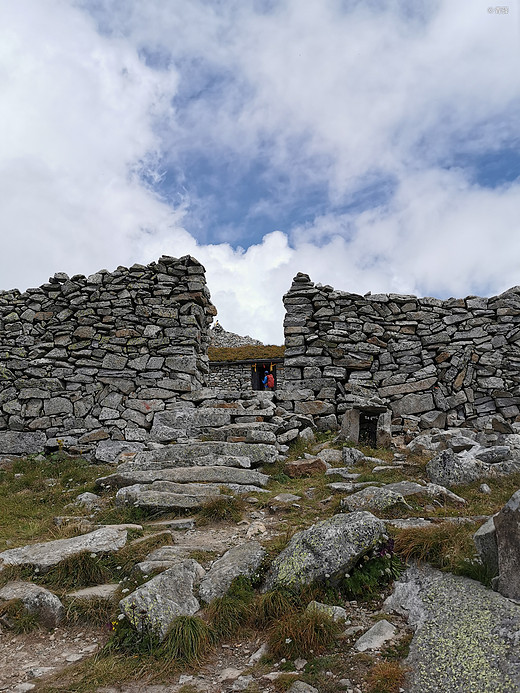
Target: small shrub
15,617
221,509
188,641
301,634
126,638
386,677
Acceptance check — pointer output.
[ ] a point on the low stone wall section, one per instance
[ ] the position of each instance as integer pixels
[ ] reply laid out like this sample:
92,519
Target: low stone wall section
436,362
85,359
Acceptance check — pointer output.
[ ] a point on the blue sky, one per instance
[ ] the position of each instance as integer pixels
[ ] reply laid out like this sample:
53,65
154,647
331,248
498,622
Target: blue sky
373,145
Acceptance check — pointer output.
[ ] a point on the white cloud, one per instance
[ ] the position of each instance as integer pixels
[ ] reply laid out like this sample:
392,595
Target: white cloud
322,95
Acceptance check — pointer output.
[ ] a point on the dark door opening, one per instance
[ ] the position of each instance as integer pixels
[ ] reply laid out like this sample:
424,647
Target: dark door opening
258,370
368,429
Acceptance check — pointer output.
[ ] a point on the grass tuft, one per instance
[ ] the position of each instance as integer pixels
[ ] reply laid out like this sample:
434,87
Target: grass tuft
274,605
302,634
386,677
81,570
227,614
94,611
188,641
221,509
15,616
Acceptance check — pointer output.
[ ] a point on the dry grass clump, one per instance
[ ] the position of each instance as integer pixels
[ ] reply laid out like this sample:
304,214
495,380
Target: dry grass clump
302,634
445,545
95,611
227,614
221,509
386,677
81,570
188,641
15,616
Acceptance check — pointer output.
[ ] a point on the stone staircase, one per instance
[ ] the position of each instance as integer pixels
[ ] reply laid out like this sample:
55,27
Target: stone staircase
232,442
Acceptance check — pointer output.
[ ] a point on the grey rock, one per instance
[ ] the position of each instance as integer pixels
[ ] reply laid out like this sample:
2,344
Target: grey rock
484,488
109,450
351,456
331,455
485,539
216,475
492,455
343,472
336,613
466,636
376,637
19,443
37,600
107,592
301,687
244,559
328,548
449,469
90,501
148,496
507,524
48,554
373,498
160,600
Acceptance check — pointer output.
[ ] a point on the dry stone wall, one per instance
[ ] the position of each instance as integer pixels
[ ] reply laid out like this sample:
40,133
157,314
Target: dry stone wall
435,362
89,359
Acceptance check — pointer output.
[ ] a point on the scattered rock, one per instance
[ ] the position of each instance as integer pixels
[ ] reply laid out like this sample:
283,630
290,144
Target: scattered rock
507,524
244,559
37,600
376,637
327,548
336,613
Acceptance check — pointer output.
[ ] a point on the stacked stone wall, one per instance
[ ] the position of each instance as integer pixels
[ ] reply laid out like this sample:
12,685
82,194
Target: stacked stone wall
440,362
85,359
237,376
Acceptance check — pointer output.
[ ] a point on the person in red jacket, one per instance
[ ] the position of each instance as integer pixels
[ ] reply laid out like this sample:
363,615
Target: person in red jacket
270,381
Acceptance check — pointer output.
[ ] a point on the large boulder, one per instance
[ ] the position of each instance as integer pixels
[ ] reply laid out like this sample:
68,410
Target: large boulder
48,554
507,524
449,468
327,549
159,601
466,636
37,600
485,539
373,498
244,559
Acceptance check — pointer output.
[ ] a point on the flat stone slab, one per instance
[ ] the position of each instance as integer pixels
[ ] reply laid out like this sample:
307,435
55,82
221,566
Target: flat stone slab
244,559
217,475
48,554
196,452
21,443
97,592
376,637
326,549
466,636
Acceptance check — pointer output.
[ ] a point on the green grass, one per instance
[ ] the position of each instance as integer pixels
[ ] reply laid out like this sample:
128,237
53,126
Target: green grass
221,509
14,616
228,614
302,634
33,492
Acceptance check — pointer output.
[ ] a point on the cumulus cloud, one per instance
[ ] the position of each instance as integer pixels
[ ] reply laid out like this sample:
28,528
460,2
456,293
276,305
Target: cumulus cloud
374,104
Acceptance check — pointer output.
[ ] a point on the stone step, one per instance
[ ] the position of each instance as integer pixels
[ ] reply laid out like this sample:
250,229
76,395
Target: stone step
198,452
217,475
257,432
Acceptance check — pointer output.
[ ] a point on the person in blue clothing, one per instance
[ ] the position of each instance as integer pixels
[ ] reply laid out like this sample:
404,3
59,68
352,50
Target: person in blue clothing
264,380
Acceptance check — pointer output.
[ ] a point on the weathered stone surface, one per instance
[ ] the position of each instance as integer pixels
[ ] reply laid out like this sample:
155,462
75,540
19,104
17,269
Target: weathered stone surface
164,597
217,475
351,456
146,496
373,498
492,455
485,539
376,637
336,613
450,469
97,592
302,468
109,450
20,443
47,554
507,524
37,600
301,687
244,559
325,549
466,636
